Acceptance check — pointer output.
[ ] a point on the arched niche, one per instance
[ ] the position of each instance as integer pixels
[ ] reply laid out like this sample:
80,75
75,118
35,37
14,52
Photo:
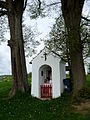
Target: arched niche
45,74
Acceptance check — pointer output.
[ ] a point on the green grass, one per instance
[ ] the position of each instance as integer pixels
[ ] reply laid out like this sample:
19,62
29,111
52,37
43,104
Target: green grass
25,107
88,79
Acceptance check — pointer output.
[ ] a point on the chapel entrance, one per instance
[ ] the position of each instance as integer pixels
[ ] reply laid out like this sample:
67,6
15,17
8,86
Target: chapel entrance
45,77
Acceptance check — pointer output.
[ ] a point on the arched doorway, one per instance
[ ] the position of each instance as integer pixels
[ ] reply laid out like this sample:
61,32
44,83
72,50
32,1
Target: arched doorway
45,78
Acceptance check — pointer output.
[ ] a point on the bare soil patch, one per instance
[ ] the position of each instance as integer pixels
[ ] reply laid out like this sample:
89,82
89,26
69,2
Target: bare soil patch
83,107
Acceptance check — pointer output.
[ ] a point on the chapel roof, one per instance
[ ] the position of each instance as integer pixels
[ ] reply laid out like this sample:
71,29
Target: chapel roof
51,51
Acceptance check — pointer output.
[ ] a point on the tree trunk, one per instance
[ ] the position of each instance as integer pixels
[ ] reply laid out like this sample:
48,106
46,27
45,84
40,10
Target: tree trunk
72,10
16,43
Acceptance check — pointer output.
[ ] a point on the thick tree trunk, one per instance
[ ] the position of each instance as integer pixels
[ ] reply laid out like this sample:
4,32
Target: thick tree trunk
77,65
78,73
16,44
72,10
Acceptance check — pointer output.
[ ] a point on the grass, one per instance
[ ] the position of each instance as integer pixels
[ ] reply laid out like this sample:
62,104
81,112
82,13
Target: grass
88,79
25,107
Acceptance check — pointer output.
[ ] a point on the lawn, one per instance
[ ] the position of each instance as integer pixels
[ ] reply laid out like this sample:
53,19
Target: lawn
25,107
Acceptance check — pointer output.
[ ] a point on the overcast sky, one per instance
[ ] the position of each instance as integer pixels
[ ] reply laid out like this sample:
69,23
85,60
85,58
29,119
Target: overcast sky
44,26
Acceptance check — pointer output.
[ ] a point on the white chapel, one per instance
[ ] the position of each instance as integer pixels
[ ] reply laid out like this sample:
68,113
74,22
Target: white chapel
48,72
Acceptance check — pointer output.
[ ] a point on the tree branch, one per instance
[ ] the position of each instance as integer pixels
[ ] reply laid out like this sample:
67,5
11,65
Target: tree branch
53,4
84,24
39,6
85,38
25,5
3,12
3,5
85,19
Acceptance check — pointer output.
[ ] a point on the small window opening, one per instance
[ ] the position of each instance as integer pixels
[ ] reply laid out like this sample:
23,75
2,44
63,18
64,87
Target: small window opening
41,73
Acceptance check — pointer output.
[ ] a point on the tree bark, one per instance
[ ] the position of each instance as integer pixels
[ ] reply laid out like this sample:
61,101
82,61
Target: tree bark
72,11
19,73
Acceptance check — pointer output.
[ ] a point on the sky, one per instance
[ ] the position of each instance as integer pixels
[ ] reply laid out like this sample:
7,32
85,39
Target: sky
44,25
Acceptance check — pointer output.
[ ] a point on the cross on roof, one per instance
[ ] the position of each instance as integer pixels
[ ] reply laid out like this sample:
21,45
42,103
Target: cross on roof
45,54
